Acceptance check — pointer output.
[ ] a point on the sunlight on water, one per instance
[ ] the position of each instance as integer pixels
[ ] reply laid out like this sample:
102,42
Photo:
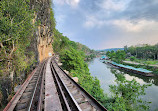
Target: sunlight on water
128,77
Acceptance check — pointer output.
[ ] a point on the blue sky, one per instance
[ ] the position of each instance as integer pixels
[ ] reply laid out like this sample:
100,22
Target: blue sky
102,24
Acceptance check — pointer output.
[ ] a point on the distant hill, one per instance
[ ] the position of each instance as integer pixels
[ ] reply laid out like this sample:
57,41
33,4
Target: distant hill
114,49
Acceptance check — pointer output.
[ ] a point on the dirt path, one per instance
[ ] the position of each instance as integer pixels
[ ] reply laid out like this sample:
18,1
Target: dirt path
136,63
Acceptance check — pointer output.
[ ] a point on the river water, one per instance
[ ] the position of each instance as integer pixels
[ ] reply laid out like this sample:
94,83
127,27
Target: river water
106,75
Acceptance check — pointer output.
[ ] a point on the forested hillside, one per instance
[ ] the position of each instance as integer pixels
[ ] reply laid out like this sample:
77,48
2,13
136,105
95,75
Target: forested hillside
17,51
16,32
62,42
72,55
27,32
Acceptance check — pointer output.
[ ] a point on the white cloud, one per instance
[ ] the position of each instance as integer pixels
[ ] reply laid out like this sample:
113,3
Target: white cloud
72,3
108,21
124,24
113,5
138,26
92,21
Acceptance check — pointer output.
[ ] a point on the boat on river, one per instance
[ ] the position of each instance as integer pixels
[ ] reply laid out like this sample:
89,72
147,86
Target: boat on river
140,71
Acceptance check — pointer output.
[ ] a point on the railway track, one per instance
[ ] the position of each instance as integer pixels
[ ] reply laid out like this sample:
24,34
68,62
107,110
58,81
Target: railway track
29,97
73,95
49,88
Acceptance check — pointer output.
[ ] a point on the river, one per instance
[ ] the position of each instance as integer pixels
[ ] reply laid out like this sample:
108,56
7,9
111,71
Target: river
106,75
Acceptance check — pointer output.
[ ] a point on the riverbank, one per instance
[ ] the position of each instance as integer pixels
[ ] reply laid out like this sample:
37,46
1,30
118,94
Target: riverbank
128,68
137,63
107,76
152,68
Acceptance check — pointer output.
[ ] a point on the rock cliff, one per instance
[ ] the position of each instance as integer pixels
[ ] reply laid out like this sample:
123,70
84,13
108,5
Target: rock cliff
44,33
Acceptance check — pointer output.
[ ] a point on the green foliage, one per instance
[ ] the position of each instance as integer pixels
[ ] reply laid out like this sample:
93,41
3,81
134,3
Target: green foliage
16,31
15,21
72,55
111,54
144,52
150,68
52,19
126,95
117,56
91,56
132,58
73,61
120,56
61,43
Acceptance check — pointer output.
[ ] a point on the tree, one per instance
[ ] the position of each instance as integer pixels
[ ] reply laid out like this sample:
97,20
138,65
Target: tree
72,59
120,56
144,52
16,30
132,58
108,53
126,48
127,95
117,56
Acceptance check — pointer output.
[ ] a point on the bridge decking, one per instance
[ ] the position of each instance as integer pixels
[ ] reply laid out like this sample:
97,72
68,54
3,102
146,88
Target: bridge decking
49,88
52,102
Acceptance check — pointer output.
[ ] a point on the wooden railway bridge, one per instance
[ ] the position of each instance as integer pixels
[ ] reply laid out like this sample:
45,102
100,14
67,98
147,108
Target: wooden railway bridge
49,88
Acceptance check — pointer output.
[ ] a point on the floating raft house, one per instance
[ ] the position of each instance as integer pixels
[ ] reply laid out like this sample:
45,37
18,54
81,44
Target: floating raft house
102,58
141,71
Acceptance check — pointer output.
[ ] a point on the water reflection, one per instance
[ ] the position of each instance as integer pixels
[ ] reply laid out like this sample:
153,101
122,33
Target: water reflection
153,80
127,76
107,76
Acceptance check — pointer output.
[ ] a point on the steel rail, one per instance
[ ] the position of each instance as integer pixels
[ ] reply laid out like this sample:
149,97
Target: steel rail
74,105
21,90
34,92
61,92
39,106
92,100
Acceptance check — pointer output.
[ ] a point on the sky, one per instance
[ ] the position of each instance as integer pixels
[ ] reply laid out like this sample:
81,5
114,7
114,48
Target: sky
102,24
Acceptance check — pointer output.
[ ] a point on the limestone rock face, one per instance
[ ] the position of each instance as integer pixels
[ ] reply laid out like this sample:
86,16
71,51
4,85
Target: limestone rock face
43,34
